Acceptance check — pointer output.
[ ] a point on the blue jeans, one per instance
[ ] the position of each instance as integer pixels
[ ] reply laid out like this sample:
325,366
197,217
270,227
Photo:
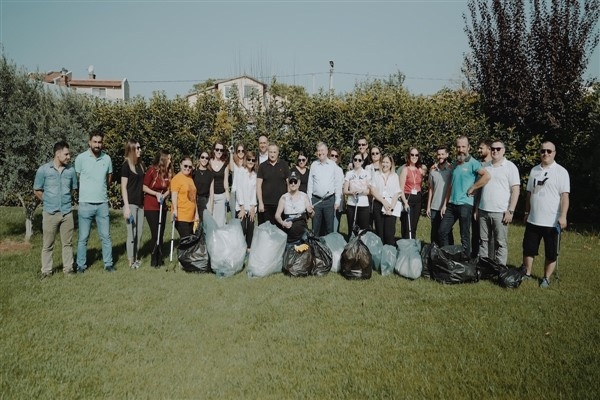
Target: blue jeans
436,220
87,213
322,223
463,214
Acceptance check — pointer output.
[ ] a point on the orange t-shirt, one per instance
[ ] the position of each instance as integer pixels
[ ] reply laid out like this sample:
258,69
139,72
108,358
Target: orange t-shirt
186,197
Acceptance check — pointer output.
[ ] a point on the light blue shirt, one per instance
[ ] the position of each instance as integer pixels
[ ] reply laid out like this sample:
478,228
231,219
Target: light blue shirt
56,187
92,176
463,177
323,180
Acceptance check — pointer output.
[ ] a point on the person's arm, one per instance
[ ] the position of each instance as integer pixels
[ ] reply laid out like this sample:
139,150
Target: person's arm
564,208
280,207
226,182
484,178
527,206
211,196
514,197
174,204
241,195
310,184
259,196
308,206
38,194
430,196
446,199
402,183
125,195
108,180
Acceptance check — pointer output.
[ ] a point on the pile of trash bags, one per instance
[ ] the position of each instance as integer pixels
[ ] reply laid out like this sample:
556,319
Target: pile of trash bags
311,257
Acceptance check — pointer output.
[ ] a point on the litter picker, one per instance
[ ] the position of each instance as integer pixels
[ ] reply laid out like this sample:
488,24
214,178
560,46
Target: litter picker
408,219
157,252
172,238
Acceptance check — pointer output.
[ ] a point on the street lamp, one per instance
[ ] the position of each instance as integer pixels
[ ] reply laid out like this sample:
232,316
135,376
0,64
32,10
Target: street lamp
330,77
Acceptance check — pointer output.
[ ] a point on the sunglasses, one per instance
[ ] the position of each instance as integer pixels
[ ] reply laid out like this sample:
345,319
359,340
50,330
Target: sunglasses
219,150
546,151
251,159
333,155
414,154
362,144
204,157
186,166
358,160
496,148
241,150
293,182
302,160
374,153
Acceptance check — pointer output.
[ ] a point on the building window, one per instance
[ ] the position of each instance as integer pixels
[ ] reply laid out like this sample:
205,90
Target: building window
250,91
229,91
100,92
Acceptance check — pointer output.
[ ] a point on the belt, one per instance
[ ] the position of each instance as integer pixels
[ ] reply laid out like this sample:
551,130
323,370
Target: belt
322,197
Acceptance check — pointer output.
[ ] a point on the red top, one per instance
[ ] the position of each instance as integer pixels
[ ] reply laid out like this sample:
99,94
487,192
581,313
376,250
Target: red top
414,179
152,181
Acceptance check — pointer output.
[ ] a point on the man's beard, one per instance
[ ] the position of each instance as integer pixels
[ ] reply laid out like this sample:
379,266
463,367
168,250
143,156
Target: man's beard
461,158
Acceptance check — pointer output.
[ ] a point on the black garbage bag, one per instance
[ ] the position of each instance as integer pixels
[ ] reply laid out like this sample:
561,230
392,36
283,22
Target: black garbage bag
426,259
298,260
490,269
451,265
193,254
511,277
356,261
322,256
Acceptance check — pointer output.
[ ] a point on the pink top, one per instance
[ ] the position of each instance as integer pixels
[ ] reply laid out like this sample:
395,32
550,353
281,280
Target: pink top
414,179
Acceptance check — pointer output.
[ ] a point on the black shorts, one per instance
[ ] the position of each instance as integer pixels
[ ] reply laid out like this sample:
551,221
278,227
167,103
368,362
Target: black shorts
534,235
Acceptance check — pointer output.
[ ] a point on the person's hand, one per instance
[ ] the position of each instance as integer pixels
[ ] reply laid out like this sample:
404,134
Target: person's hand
241,213
252,214
507,218
310,209
126,212
475,214
428,212
443,211
261,207
158,196
287,224
562,221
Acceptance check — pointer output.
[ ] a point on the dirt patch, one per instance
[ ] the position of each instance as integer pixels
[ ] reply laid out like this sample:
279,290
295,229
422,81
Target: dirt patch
14,246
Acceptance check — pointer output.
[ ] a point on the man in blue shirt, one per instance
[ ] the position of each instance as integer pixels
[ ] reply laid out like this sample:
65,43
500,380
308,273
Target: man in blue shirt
54,184
468,175
94,169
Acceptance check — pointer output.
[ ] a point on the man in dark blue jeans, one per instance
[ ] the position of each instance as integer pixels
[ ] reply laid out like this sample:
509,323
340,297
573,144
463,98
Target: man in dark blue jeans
468,175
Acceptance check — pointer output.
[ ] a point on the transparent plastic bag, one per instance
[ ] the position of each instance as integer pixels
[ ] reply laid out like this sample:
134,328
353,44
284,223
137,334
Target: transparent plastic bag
266,253
226,245
375,246
388,259
408,262
336,244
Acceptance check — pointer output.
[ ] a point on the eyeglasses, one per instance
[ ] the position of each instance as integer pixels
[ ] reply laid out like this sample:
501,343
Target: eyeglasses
220,150
302,160
362,144
414,154
241,150
496,148
333,155
358,160
186,166
546,151
138,147
293,182
204,157
374,153
251,159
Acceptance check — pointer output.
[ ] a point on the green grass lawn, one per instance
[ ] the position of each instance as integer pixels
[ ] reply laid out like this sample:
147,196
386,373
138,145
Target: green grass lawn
156,334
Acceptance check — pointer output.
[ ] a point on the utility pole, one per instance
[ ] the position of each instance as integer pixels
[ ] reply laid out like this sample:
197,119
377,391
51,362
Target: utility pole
331,78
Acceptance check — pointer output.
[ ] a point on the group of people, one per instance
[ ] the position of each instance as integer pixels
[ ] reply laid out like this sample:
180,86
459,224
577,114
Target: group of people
259,186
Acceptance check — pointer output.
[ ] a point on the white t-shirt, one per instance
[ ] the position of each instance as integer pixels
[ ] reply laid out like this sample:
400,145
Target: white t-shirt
495,195
358,181
545,198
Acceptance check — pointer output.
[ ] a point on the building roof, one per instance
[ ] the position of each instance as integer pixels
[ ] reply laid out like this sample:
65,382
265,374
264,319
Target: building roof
111,84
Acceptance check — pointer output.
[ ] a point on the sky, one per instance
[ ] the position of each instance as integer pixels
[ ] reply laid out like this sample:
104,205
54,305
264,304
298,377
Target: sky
171,45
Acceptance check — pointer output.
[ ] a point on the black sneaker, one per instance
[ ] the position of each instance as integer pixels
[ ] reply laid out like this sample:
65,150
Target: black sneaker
45,275
110,269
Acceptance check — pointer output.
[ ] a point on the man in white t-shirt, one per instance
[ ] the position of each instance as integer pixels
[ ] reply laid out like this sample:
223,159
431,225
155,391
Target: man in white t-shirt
497,205
546,207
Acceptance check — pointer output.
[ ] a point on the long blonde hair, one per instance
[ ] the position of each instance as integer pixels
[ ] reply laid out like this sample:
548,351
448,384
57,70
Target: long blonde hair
131,156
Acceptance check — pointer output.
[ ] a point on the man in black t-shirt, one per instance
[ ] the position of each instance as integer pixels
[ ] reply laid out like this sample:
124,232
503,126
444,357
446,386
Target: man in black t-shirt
271,184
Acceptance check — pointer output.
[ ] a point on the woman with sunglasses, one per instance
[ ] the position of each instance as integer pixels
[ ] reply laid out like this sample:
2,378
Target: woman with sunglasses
183,198
302,170
236,164
132,181
218,165
385,188
245,199
411,180
356,187
156,189
293,210
203,180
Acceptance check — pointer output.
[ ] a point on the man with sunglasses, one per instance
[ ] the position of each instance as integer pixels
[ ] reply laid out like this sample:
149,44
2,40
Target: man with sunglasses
497,204
334,155
468,175
271,184
546,206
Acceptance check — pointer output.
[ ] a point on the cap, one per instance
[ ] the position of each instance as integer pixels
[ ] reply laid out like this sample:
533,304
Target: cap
293,175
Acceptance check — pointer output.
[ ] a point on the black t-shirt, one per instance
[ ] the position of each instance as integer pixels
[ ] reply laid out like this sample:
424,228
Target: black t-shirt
135,182
219,177
202,181
303,179
274,183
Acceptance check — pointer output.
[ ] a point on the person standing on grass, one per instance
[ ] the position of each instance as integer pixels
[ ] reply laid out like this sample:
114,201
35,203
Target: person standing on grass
439,179
356,187
467,176
183,199
132,182
156,190
497,204
323,191
54,185
546,206
485,156
218,165
334,155
263,149
204,182
271,185
411,182
94,169
385,188
245,200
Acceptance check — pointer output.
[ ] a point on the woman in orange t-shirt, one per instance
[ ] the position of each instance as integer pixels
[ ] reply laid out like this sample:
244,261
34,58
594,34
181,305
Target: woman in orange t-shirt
183,198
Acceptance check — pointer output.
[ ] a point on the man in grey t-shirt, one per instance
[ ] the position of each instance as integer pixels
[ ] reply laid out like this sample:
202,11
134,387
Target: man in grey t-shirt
439,177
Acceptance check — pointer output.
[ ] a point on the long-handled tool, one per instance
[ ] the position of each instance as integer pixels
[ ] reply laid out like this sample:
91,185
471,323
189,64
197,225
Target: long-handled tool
157,252
558,235
172,238
355,226
408,219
